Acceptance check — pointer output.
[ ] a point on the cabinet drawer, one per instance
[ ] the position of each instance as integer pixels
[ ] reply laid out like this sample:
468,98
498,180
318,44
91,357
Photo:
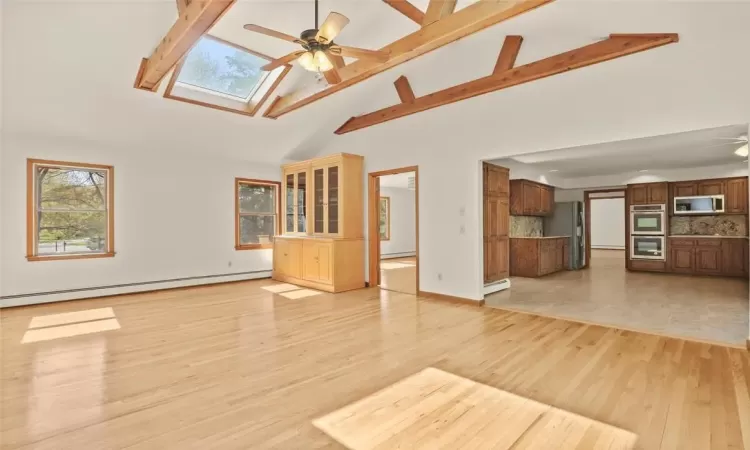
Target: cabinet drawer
708,242
681,242
653,266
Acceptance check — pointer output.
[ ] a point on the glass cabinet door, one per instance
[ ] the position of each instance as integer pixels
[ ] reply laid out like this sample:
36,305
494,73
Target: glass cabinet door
301,202
289,222
333,200
319,191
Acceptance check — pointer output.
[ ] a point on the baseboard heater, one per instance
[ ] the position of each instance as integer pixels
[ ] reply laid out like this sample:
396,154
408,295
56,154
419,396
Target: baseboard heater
496,286
18,299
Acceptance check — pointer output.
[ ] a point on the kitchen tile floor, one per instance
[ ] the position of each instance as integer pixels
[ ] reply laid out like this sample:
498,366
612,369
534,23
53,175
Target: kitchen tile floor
709,309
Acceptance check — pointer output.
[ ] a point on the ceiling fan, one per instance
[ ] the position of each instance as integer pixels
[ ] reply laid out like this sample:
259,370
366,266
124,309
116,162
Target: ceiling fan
320,53
742,141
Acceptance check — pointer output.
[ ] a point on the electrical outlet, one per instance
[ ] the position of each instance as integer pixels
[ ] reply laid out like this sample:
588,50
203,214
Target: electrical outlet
462,230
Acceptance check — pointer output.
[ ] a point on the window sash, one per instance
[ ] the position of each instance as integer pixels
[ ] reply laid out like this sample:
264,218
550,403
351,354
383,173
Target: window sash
38,209
239,215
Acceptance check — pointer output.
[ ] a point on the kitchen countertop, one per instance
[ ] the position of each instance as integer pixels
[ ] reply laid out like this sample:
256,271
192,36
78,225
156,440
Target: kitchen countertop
705,236
538,237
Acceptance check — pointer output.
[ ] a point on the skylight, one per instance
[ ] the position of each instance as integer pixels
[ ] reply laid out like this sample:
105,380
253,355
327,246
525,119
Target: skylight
222,69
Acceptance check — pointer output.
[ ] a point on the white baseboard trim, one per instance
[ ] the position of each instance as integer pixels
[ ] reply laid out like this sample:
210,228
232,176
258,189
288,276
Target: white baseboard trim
8,301
497,286
397,255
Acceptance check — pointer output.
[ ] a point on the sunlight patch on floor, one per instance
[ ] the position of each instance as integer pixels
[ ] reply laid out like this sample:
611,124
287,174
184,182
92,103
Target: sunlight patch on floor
63,331
301,293
283,287
436,409
86,315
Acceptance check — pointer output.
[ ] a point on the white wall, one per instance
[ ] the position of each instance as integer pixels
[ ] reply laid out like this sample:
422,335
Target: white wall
608,223
656,92
403,240
174,218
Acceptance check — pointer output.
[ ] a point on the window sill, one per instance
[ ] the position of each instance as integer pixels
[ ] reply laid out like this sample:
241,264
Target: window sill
64,257
253,247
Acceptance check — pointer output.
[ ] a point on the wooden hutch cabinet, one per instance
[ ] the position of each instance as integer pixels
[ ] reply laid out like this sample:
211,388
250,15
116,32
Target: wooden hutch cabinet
322,243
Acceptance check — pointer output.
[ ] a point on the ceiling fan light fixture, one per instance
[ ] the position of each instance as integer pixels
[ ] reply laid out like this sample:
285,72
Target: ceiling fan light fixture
742,151
315,61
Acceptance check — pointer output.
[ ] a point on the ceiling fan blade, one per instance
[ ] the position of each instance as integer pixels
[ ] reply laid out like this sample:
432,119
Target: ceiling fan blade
331,27
272,33
283,60
360,53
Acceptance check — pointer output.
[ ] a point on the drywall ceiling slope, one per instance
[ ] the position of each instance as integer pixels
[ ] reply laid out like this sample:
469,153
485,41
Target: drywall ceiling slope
73,76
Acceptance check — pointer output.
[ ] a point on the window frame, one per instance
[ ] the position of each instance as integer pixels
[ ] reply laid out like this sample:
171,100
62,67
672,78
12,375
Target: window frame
202,97
387,217
251,181
32,237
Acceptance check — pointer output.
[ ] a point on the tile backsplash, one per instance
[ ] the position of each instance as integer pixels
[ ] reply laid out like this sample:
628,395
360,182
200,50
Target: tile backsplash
728,225
526,226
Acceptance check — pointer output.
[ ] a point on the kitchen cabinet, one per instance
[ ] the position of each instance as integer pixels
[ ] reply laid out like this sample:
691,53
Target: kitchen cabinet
734,253
322,244
711,187
327,264
536,257
647,193
529,198
708,256
685,189
496,222
736,196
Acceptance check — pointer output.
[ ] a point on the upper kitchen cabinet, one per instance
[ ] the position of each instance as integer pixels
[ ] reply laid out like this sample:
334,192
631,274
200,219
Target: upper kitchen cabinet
529,198
324,197
684,189
648,193
736,196
711,187
496,180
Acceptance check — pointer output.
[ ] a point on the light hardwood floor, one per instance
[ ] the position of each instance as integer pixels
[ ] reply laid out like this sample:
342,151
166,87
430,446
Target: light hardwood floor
236,366
399,274
710,309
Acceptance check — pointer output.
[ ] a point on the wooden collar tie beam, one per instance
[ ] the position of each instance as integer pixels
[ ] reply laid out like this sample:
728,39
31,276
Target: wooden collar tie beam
505,76
448,27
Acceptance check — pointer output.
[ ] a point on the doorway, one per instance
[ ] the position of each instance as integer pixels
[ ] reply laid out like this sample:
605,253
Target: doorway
393,229
606,221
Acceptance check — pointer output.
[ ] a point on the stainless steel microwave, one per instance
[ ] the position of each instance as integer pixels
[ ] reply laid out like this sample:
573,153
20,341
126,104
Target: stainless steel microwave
702,204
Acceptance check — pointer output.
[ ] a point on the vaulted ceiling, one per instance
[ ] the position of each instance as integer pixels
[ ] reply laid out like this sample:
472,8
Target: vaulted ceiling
69,69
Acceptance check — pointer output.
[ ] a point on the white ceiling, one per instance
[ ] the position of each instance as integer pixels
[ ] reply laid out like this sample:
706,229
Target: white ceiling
701,148
68,70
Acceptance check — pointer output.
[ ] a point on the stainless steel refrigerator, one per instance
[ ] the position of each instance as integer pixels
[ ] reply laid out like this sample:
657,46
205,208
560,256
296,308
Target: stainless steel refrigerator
567,220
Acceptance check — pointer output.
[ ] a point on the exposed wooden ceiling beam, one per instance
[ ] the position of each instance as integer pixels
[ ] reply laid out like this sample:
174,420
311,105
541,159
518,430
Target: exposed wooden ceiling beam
332,76
506,59
438,9
616,46
181,5
465,22
403,88
407,9
194,21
